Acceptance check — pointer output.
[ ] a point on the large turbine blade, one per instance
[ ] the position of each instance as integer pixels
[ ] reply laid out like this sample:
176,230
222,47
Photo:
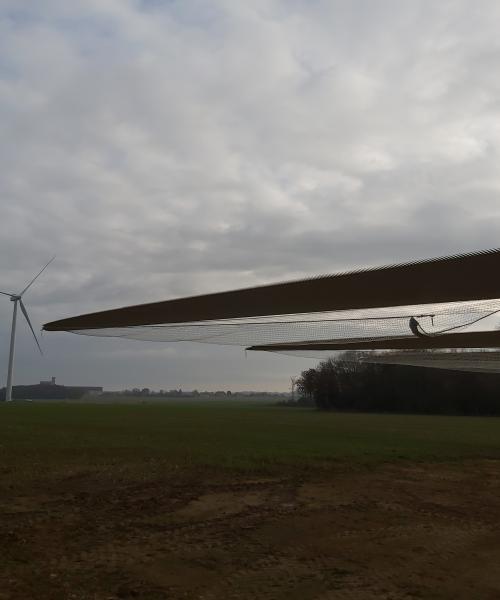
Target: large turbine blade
36,276
7,294
25,313
449,279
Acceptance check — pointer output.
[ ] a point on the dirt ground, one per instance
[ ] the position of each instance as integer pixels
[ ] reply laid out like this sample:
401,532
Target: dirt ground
391,531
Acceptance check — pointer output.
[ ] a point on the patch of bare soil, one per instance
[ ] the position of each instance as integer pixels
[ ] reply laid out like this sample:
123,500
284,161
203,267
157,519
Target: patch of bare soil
395,531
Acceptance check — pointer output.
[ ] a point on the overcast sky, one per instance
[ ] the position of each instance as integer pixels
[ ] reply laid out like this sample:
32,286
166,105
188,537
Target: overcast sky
165,148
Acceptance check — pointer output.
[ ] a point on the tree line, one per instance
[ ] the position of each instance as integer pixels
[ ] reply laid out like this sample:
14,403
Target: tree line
350,385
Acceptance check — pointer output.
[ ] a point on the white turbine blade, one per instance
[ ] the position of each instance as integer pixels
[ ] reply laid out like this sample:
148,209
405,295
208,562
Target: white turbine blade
7,294
36,276
25,313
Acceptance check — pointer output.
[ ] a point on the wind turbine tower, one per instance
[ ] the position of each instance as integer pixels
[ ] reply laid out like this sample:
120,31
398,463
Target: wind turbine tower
17,299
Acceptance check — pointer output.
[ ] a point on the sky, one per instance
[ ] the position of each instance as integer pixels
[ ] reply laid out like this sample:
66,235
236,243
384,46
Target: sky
164,148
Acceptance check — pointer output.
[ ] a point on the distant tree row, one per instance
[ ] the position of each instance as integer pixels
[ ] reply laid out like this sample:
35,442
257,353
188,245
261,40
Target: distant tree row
165,393
337,384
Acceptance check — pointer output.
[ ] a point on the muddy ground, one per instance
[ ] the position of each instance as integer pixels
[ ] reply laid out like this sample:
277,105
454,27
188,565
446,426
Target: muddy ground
391,531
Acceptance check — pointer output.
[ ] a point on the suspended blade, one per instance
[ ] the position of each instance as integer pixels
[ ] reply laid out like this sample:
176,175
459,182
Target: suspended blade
25,313
36,276
7,294
471,339
458,278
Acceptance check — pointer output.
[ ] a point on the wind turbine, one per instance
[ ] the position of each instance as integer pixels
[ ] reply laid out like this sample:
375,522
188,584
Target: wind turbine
18,300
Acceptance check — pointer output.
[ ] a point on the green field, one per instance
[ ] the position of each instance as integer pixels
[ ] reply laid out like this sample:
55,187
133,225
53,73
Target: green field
250,435
232,499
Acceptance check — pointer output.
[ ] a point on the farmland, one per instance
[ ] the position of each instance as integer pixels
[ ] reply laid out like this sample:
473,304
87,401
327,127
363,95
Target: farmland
245,500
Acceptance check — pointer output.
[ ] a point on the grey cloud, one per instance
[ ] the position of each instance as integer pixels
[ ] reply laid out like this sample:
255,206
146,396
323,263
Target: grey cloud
167,148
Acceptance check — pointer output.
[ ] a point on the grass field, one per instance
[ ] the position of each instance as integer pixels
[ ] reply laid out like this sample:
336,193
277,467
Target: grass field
226,499
232,434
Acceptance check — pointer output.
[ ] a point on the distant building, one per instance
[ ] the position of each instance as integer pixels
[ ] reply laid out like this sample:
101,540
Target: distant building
93,391
49,390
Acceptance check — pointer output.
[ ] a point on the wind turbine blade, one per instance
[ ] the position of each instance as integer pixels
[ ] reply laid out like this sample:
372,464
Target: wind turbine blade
25,313
7,294
36,276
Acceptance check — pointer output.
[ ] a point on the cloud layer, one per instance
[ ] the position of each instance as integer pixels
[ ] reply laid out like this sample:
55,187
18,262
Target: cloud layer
163,148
